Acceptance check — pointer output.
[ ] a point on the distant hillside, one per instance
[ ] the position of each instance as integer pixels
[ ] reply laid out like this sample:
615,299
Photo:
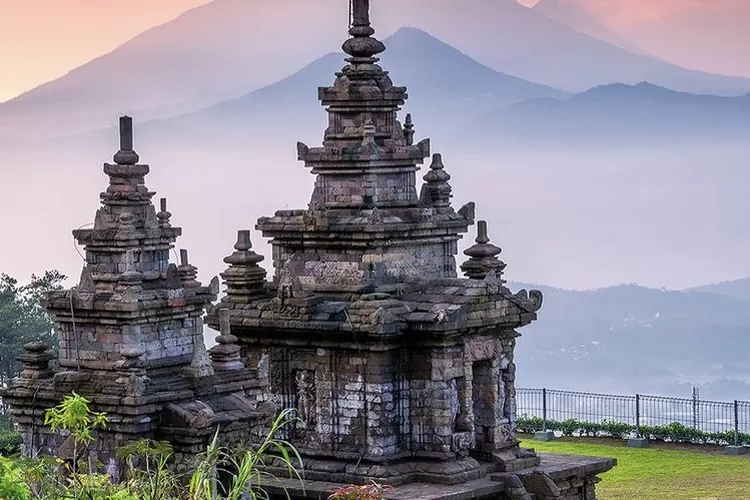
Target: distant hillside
447,89
227,48
643,112
634,338
739,289
572,14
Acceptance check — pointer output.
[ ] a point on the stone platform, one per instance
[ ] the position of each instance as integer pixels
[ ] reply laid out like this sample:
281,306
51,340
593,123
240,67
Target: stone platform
557,477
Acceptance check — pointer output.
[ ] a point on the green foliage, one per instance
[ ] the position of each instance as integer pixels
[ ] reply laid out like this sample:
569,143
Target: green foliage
22,320
148,470
74,415
674,432
148,475
10,443
247,468
372,491
12,484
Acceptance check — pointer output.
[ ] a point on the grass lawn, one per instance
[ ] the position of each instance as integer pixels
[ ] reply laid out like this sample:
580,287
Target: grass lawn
661,472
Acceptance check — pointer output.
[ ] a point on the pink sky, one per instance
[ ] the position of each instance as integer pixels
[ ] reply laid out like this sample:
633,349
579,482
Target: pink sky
41,40
711,35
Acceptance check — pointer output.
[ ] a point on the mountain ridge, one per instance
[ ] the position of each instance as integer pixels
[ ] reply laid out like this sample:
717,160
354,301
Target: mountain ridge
414,58
641,112
583,21
211,53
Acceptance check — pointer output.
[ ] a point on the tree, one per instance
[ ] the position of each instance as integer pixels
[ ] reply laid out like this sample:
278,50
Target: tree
23,320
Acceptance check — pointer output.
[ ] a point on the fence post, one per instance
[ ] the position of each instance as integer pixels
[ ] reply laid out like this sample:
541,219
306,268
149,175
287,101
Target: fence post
638,416
736,423
638,441
736,449
544,434
695,407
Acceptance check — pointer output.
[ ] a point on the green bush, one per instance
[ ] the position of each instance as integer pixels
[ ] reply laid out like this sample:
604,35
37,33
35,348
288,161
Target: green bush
10,443
674,432
12,484
148,472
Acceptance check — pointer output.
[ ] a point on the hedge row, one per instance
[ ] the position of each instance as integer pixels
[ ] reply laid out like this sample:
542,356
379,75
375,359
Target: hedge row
674,432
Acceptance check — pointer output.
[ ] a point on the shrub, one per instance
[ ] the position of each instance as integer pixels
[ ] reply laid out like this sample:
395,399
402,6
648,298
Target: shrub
674,432
10,443
12,484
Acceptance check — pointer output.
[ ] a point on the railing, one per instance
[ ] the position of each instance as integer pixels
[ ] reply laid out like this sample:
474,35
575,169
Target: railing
642,416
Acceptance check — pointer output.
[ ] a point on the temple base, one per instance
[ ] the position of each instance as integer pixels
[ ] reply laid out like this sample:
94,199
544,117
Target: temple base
555,477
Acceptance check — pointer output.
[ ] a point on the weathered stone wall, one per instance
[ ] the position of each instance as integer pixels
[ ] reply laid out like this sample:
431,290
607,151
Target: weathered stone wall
390,189
104,262
355,266
98,345
437,402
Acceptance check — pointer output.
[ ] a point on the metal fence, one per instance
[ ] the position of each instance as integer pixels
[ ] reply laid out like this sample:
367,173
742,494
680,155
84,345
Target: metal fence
654,417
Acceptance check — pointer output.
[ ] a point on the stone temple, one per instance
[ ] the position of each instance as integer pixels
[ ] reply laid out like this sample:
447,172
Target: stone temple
400,371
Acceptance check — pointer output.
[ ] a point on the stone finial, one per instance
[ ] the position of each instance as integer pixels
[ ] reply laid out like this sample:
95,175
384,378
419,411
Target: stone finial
126,155
362,46
188,273
437,192
164,215
409,130
36,361
483,259
244,277
225,355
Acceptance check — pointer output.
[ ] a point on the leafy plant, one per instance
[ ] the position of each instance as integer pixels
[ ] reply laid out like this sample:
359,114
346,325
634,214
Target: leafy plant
74,416
10,443
247,470
12,484
148,475
148,470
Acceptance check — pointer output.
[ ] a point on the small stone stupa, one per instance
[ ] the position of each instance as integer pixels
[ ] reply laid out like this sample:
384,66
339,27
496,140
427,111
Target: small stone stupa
131,335
400,371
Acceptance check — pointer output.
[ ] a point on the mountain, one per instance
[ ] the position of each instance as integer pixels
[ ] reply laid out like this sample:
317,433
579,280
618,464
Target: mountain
574,15
521,41
630,338
447,89
633,113
739,289
208,54
227,48
707,35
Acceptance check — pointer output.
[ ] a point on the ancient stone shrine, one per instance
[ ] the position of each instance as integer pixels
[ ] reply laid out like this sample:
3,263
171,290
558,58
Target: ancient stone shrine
400,371
131,337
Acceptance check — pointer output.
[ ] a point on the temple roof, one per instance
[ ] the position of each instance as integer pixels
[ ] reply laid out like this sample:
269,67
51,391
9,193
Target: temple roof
371,253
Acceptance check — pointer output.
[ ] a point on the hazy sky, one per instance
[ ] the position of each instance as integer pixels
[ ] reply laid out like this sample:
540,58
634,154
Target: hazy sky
710,35
41,40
